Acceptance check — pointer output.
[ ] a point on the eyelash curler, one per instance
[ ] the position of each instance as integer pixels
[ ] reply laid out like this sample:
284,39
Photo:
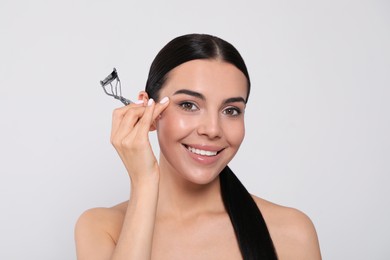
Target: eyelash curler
114,90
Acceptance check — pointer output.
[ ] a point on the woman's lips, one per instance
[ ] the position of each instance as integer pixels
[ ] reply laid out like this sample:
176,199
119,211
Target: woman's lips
201,152
204,154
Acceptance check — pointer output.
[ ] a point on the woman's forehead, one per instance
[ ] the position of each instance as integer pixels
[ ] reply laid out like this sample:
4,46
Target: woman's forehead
207,77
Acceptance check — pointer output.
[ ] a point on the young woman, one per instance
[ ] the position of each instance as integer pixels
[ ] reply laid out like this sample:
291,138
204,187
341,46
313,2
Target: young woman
189,204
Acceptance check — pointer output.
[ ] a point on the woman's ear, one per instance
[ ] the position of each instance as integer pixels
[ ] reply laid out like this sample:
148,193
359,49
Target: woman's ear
153,127
142,95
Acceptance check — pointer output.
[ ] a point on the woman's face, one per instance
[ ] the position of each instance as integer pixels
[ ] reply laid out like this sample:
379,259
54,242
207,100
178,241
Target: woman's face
203,126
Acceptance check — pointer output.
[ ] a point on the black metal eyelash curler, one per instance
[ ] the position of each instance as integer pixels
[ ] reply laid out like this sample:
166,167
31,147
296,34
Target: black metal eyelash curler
115,91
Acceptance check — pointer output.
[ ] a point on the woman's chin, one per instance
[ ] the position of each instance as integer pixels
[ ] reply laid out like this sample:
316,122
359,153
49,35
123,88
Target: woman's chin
202,177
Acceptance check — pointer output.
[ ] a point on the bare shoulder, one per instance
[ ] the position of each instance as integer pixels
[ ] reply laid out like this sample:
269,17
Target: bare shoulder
99,228
107,219
292,231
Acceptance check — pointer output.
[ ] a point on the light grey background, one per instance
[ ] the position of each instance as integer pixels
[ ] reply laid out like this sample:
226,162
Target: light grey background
317,122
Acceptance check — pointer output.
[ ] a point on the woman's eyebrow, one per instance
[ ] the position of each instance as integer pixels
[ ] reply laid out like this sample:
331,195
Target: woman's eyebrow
190,93
234,99
202,97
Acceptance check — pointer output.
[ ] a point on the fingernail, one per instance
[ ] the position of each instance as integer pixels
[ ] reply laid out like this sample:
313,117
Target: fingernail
139,102
164,100
150,102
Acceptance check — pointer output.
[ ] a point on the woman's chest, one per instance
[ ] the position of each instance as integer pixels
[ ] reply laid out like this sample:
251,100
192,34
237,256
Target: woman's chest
204,239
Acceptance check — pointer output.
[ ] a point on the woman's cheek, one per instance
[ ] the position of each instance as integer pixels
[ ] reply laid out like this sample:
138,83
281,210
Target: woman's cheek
234,132
177,122
186,122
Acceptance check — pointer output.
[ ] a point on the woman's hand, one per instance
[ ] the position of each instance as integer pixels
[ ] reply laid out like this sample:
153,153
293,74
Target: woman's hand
94,238
130,137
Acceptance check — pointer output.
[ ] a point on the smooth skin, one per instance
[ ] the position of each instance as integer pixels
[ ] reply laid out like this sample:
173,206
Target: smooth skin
175,209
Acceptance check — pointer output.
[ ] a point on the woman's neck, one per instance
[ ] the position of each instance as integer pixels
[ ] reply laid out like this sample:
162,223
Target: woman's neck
182,199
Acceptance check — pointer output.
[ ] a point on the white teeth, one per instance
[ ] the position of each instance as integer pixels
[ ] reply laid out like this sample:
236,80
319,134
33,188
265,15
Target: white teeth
201,152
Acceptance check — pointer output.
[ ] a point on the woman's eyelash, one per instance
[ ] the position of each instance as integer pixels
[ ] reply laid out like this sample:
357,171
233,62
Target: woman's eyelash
188,106
232,111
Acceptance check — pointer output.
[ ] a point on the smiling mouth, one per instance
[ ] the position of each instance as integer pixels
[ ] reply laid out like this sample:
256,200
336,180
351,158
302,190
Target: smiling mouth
202,152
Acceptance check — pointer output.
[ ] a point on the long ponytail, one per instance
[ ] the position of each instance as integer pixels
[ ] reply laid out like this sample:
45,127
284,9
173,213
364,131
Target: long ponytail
249,226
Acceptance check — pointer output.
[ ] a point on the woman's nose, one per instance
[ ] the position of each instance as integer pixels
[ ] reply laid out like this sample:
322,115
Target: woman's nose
210,126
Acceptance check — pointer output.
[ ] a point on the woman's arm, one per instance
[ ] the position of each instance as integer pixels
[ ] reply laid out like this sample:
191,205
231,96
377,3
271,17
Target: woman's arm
94,235
135,241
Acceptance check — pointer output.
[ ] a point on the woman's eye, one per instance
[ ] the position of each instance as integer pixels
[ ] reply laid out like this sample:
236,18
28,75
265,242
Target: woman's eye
188,106
232,111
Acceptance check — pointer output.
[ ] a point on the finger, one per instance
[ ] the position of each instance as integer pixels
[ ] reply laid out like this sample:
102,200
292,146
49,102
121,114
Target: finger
129,121
160,107
132,116
119,113
136,137
145,124
124,114
147,118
